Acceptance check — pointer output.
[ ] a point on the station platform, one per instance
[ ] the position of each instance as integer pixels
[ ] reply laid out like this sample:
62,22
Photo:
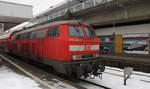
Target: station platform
142,56
138,62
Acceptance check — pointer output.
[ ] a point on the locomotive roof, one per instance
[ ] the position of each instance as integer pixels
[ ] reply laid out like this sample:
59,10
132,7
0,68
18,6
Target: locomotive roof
50,24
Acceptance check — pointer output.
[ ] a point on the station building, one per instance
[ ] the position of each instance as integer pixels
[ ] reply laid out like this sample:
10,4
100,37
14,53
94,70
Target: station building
12,14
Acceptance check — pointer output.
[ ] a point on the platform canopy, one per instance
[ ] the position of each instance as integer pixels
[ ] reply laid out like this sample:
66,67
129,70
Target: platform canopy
14,13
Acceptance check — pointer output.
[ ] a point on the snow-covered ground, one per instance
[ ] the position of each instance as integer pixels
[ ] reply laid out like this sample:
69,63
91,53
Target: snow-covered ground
114,79
12,80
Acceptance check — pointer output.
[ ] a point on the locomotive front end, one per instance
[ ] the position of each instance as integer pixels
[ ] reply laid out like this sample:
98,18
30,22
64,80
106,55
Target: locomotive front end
84,50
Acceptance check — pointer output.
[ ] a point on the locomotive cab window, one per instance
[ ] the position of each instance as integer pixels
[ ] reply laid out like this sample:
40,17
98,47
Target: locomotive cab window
80,31
53,32
75,31
89,31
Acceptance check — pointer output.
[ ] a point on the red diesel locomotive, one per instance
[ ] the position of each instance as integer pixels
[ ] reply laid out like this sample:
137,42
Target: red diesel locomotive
69,47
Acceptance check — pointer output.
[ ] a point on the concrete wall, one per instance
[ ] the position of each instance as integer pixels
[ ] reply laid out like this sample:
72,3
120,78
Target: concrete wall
15,10
143,28
116,13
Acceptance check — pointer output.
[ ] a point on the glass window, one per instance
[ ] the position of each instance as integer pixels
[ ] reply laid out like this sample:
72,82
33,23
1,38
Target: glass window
21,36
41,34
80,31
31,37
89,32
14,37
33,34
75,31
18,37
28,35
52,32
25,36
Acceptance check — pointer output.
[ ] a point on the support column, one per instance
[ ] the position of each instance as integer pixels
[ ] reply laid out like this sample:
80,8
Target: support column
118,44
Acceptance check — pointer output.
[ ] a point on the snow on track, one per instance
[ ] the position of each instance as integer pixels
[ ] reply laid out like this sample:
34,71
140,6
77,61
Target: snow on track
114,80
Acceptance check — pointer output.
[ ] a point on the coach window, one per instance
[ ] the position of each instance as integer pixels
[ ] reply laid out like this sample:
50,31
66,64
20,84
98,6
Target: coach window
28,35
41,34
50,32
22,36
53,32
14,37
31,35
18,37
34,35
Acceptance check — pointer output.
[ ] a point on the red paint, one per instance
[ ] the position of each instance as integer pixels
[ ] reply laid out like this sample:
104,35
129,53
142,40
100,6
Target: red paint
53,47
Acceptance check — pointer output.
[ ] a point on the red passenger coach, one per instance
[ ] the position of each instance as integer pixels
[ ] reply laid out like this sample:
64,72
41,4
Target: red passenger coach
69,47
4,42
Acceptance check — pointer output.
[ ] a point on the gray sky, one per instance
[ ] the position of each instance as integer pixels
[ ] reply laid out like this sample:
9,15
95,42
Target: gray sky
38,5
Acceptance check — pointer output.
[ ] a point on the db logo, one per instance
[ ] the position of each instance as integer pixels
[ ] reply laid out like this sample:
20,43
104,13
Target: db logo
87,47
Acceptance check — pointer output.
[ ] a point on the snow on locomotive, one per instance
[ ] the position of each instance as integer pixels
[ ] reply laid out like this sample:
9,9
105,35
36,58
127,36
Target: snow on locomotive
69,47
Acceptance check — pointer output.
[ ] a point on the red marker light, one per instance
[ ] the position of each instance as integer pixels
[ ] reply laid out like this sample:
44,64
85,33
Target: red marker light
78,57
